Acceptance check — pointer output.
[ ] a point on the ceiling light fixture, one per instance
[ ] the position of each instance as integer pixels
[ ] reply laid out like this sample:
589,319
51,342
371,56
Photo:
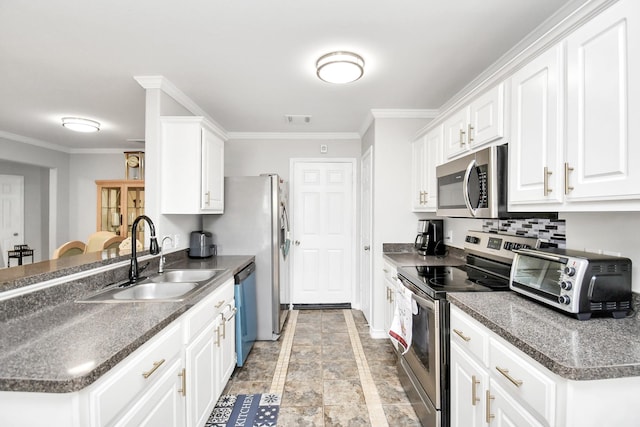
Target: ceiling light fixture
340,67
80,125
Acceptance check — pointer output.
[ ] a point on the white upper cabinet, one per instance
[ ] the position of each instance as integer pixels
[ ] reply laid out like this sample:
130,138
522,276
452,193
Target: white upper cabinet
587,158
535,144
479,123
427,154
603,97
192,167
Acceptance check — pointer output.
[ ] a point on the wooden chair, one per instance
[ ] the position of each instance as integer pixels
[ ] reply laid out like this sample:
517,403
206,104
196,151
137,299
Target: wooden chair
96,241
125,246
74,247
112,243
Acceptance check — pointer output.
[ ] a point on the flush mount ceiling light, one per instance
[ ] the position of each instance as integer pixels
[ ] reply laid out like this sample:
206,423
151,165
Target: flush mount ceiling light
80,125
340,67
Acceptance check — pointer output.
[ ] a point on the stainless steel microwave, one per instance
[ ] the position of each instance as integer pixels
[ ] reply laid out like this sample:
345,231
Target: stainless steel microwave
474,186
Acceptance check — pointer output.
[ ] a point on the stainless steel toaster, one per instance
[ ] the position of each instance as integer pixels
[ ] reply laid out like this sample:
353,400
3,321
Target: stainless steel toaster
201,244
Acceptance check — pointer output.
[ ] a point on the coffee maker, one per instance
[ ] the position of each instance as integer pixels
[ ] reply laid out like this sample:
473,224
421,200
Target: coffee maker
430,238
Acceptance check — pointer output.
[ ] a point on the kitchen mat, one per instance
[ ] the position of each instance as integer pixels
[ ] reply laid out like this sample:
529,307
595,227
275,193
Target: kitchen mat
245,410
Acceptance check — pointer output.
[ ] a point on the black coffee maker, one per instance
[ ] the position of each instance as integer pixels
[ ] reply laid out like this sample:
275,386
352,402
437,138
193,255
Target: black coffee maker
430,238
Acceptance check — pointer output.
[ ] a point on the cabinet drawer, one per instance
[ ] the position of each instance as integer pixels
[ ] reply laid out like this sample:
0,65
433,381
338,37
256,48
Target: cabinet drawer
523,379
390,272
204,313
469,335
121,386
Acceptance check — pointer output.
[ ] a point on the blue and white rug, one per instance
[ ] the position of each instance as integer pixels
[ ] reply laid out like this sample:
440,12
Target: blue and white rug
245,410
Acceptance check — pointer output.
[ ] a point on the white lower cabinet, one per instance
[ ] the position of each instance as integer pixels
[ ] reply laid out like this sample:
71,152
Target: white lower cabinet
390,277
493,383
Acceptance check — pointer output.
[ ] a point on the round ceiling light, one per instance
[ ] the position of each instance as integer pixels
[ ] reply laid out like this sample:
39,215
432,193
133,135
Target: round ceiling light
80,125
340,67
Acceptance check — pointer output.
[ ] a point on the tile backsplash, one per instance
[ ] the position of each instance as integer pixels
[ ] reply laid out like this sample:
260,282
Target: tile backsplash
551,231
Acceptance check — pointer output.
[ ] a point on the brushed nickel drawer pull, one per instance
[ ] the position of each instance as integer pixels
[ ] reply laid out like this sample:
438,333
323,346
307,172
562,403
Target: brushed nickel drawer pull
462,133
183,374
156,365
505,372
233,313
470,128
489,415
462,335
567,171
546,174
474,383
219,304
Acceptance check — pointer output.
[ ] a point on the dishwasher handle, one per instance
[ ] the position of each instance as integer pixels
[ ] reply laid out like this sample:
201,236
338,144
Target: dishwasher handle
244,273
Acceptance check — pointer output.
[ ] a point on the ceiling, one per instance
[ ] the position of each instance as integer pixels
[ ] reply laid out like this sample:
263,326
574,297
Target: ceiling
246,63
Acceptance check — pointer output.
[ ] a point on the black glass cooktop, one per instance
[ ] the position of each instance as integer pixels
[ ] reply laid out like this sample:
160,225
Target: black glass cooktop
436,281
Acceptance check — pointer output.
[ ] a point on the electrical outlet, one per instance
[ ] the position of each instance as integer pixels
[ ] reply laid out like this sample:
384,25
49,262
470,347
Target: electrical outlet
449,237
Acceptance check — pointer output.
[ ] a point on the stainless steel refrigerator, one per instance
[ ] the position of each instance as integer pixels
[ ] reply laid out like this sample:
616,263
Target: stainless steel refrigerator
255,222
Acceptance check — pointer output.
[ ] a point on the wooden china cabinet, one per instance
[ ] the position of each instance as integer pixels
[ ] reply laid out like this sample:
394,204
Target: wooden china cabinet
120,202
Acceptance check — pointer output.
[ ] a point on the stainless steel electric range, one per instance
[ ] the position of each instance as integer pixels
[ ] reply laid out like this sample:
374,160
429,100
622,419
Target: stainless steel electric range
424,369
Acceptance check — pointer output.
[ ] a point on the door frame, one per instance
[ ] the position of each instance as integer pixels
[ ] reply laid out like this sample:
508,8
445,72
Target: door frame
369,315
355,297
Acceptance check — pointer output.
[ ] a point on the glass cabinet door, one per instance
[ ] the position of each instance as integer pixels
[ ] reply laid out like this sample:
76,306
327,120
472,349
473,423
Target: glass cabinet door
110,209
135,208
120,202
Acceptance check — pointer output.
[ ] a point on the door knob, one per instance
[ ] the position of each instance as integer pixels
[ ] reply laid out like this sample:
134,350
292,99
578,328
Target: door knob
367,247
297,242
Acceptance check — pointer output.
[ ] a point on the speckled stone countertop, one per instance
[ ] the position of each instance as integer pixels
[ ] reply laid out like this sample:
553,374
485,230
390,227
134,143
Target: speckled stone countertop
402,254
592,349
67,346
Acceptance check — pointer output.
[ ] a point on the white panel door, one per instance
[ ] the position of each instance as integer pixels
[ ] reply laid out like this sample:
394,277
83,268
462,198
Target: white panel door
11,214
603,64
322,198
366,263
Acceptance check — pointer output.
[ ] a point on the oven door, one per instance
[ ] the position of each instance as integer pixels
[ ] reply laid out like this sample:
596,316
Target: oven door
423,356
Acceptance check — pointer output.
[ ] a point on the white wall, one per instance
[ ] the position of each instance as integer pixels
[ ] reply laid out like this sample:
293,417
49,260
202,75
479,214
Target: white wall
614,233
393,220
84,170
258,156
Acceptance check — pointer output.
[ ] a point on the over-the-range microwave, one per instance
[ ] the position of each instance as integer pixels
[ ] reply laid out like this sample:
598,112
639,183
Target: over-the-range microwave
476,186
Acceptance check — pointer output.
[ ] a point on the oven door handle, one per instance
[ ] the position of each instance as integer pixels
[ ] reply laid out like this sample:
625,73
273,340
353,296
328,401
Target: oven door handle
424,302
465,188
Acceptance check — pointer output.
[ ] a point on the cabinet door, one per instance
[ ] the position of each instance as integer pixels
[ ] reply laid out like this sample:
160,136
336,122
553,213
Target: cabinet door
455,134
505,411
162,405
418,166
486,117
603,64
535,146
433,158
202,379
228,352
469,382
212,199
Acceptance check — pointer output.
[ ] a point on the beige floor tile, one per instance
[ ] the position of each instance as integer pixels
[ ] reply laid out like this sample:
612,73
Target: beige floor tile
351,415
300,416
302,393
343,392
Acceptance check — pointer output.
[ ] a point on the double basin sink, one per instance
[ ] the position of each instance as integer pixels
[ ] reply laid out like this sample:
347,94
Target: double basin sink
172,285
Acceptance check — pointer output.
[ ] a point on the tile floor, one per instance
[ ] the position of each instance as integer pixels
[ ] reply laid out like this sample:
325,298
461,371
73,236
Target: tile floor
329,373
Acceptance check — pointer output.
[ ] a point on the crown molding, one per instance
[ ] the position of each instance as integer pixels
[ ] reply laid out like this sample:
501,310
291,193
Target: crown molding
571,16
103,150
33,141
293,135
162,83
404,114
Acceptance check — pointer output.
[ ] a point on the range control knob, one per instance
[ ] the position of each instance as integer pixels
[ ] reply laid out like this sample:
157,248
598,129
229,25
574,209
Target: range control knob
569,271
566,285
564,299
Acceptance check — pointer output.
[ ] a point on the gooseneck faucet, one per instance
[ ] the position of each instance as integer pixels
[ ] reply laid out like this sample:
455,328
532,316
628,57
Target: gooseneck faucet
153,246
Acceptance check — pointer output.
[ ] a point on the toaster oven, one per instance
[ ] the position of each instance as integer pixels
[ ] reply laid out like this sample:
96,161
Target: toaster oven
578,283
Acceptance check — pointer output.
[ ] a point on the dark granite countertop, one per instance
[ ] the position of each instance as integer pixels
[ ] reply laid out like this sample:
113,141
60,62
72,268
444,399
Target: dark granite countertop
593,349
402,254
67,346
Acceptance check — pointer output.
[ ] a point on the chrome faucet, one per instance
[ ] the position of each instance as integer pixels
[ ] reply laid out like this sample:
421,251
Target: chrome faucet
153,246
162,260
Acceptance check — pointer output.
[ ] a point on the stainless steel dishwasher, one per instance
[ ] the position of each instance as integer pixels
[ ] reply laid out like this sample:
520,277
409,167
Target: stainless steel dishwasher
246,318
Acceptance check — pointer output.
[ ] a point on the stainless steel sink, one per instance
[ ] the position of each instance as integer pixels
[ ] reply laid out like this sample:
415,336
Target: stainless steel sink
172,285
155,291
185,275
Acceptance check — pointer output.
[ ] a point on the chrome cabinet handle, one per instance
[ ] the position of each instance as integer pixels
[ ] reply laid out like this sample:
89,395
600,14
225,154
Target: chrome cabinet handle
207,198
489,416
462,335
462,133
505,372
469,129
567,170
474,383
156,365
546,174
